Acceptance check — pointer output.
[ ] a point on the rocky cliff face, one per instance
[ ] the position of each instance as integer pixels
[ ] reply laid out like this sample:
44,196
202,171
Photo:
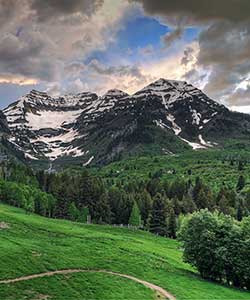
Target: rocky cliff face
164,117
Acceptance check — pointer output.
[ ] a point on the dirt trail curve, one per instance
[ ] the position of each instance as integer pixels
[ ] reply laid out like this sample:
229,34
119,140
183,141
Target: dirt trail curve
70,271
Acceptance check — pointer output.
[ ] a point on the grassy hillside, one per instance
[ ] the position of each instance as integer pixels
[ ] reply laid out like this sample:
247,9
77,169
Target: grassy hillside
33,244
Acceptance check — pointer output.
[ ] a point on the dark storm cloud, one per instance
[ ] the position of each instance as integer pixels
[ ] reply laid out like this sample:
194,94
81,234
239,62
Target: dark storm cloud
28,40
199,10
240,97
6,10
46,9
26,57
101,69
10,10
12,48
225,49
224,42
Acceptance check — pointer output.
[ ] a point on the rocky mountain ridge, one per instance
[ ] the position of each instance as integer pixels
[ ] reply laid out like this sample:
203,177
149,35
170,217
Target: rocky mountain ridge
167,116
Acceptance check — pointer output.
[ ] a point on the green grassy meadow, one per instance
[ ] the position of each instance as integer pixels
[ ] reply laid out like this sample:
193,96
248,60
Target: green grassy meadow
33,244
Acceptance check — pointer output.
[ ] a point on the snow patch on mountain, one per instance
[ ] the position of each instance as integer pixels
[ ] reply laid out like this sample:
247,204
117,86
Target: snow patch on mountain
161,124
203,142
88,162
196,117
177,130
51,119
195,146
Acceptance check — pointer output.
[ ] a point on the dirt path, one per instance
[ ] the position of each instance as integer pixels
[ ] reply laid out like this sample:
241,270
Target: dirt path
154,287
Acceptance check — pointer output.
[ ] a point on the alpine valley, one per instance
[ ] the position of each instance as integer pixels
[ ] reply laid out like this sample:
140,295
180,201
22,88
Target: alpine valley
166,117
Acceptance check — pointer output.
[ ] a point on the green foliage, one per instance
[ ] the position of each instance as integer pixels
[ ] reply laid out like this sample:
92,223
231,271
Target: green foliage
241,183
73,212
172,225
121,205
218,247
158,219
13,171
110,198
84,215
224,205
214,167
34,244
28,197
241,166
135,216
145,204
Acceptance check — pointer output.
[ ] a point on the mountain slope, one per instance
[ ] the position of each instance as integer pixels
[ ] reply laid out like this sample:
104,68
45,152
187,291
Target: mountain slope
164,117
31,244
3,124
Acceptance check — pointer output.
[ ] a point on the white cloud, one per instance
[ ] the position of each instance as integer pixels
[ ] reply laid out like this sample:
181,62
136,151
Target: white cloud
243,109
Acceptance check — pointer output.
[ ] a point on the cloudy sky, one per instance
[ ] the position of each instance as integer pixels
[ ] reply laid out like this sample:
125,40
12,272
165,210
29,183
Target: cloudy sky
64,46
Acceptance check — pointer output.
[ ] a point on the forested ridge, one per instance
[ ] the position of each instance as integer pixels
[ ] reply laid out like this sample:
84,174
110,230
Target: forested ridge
73,192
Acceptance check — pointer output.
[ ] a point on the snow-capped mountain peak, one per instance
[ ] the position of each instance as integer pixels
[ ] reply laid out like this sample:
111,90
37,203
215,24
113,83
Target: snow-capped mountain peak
92,129
169,90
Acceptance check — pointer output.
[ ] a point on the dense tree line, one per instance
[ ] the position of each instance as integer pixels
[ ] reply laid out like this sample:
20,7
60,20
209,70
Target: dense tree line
153,204
156,203
218,246
28,197
12,171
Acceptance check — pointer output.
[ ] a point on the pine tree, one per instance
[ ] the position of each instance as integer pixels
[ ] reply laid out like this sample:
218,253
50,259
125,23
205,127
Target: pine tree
102,211
154,186
121,204
178,189
177,205
135,216
145,202
239,214
172,226
241,183
241,166
201,199
223,205
197,187
188,205
157,223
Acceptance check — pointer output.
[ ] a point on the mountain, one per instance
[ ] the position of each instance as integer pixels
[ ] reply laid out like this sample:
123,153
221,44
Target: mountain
166,116
3,124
